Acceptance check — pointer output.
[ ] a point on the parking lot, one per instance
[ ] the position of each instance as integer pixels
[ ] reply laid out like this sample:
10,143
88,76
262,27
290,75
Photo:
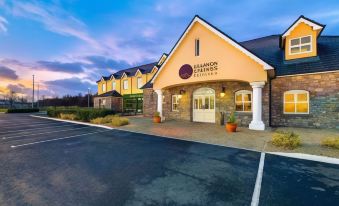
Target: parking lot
47,162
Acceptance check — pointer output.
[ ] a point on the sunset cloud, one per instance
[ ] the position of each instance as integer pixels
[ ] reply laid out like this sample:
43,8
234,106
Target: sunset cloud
7,73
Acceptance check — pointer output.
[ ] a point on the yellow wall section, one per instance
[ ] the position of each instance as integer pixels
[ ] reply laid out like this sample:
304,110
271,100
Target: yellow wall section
232,63
132,84
301,30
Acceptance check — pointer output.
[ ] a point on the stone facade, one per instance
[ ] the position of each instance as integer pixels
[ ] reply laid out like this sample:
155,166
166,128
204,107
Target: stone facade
149,102
323,91
114,103
224,104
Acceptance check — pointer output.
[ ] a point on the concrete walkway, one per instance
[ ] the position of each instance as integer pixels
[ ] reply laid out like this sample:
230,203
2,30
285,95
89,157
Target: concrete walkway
244,138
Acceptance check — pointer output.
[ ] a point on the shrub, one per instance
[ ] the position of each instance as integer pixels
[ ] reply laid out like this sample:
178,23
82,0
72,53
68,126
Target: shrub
68,116
156,114
232,119
28,110
104,120
82,114
331,142
119,121
3,110
287,140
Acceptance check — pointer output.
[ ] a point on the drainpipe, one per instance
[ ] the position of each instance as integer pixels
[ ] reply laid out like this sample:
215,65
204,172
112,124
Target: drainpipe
270,101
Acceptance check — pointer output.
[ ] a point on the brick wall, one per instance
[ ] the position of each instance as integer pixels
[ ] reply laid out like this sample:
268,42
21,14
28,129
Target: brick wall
114,103
149,102
223,104
324,100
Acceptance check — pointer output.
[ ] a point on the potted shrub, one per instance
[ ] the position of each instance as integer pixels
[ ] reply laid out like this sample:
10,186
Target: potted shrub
156,117
231,125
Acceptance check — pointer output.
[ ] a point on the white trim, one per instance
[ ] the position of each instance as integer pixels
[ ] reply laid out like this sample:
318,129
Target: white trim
136,73
112,77
163,56
302,20
295,92
123,75
300,45
313,73
177,102
141,83
221,35
242,92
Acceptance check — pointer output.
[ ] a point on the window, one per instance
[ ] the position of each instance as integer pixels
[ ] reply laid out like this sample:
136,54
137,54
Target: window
175,103
296,102
104,87
114,85
126,84
301,45
139,82
243,101
197,47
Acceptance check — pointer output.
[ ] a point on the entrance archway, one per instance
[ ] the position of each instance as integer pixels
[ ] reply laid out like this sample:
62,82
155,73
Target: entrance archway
204,105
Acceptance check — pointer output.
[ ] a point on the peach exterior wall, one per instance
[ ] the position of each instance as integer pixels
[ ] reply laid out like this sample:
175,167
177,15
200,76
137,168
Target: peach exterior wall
232,63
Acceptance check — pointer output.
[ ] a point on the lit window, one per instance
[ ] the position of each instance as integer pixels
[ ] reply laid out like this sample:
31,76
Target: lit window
104,87
243,101
197,47
114,85
296,102
175,103
126,84
139,82
301,45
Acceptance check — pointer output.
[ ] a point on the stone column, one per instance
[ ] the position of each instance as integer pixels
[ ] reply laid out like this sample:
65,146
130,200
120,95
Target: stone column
159,103
257,123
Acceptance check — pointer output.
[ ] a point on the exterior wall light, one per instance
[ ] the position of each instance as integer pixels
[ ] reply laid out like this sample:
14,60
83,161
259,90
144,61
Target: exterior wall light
181,93
222,94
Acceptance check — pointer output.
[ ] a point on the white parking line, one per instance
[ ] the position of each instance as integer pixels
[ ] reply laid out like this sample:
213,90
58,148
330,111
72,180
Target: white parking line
56,139
10,137
31,124
257,187
22,130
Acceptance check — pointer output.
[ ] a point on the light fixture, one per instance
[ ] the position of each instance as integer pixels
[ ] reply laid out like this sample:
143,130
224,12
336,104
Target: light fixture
181,93
222,94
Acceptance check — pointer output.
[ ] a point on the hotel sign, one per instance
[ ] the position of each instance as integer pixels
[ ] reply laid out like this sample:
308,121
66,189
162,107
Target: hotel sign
198,70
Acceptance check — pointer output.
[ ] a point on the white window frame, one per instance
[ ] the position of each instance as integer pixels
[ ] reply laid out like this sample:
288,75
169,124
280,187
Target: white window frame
114,85
175,102
125,84
300,45
295,93
139,82
242,92
103,87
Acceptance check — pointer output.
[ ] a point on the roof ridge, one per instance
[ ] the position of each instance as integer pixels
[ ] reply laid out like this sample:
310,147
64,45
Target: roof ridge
263,37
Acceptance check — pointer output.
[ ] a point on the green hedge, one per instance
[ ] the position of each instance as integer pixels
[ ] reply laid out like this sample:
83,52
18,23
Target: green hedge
82,114
22,110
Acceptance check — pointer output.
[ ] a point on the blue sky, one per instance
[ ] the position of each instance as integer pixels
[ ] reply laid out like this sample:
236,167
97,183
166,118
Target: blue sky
68,45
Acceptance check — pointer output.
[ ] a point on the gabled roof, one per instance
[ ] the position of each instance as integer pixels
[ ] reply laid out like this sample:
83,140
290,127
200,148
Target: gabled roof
218,33
144,69
103,79
302,19
112,93
267,48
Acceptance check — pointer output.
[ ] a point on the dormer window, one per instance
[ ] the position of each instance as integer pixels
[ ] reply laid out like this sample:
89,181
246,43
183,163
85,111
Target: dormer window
301,45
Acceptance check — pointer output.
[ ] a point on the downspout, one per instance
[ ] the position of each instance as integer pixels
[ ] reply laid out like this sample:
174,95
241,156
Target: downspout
270,100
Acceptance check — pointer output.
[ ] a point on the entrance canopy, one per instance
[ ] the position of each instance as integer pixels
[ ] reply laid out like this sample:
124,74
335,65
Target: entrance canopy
203,53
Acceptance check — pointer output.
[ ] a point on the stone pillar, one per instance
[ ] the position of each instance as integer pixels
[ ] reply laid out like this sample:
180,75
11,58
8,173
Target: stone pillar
257,123
159,104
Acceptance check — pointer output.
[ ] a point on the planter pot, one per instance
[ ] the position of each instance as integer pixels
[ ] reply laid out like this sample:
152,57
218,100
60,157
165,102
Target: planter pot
231,127
156,119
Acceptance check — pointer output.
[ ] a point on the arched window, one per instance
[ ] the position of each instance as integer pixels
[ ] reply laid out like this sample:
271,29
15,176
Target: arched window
243,101
296,102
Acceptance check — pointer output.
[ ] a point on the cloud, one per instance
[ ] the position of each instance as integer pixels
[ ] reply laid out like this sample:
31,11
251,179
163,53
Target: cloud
7,73
19,88
3,24
54,19
74,67
70,85
103,62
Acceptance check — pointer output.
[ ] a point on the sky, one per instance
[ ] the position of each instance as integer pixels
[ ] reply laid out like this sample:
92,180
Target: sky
69,44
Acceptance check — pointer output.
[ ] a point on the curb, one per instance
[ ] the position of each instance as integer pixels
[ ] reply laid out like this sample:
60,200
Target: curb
317,158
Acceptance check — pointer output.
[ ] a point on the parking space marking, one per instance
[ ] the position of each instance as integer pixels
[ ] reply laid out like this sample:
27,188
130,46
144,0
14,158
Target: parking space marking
56,139
31,124
24,135
257,187
15,131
